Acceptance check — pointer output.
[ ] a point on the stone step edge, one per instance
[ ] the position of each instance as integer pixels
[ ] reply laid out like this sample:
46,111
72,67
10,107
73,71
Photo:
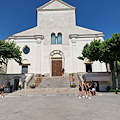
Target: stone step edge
43,95
28,95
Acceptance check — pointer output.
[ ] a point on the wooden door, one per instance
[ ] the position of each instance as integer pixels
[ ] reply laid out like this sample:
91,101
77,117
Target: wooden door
56,68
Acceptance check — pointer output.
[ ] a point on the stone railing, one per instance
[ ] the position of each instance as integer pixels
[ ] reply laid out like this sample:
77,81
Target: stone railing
28,79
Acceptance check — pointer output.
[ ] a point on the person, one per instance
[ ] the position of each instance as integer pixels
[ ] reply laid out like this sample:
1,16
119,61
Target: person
84,89
2,90
63,70
88,86
93,89
80,89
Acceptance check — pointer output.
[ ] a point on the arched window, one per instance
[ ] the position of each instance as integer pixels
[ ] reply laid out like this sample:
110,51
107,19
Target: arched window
59,38
53,38
26,50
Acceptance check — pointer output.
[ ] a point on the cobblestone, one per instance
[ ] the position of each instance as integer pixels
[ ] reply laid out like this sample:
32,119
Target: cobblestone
60,107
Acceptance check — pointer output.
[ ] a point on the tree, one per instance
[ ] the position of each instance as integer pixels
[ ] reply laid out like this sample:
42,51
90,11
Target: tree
107,51
9,50
92,52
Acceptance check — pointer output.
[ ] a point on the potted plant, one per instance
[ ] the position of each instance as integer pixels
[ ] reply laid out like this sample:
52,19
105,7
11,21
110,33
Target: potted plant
19,87
32,86
73,85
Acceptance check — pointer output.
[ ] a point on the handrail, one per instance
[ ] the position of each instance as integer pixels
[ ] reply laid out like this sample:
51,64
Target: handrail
29,79
80,76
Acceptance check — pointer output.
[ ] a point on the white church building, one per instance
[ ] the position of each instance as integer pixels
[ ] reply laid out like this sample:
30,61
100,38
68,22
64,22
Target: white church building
55,43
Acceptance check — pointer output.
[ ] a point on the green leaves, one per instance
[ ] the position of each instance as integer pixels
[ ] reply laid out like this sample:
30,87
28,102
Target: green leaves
9,51
106,51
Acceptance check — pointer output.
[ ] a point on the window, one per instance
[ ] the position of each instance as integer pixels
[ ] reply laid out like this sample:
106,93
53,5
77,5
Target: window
56,40
53,38
88,68
24,69
26,50
59,38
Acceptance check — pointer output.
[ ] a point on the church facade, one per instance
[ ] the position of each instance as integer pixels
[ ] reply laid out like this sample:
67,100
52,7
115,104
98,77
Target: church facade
55,43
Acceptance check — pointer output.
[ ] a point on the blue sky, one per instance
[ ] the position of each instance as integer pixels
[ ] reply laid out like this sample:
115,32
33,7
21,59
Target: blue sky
100,15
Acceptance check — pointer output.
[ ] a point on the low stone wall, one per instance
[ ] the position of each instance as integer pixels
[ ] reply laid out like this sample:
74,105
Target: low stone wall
9,80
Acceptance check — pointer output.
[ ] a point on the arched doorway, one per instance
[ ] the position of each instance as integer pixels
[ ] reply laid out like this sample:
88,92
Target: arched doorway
16,83
57,62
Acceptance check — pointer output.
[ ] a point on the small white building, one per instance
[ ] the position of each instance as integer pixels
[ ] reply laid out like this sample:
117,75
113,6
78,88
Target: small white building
55,43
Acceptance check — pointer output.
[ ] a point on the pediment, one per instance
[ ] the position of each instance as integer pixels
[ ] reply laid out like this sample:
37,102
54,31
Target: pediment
54,5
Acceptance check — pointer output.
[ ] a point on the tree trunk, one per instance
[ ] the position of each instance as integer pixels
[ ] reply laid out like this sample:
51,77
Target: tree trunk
117,70
113,75
106,66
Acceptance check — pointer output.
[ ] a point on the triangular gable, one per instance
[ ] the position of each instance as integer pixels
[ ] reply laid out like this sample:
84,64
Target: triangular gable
55,4
79,32
28,32
82,30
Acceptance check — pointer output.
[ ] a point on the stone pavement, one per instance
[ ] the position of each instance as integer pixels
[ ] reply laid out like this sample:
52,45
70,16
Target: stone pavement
60,107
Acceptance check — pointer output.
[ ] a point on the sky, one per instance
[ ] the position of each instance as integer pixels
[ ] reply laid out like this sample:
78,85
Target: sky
101,15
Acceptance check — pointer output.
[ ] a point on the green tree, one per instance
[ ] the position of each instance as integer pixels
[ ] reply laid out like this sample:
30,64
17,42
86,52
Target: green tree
9,50
107,51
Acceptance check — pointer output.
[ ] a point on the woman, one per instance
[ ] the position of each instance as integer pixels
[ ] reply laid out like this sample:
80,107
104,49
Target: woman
84,89
93,89
80,89
2,90
88,86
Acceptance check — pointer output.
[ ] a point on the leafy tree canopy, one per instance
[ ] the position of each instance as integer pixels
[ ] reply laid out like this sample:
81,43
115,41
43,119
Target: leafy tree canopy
106,51
9,50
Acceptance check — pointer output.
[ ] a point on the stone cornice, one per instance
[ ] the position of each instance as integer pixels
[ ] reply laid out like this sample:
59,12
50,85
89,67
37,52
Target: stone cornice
56,9
26,37
41,8
86,35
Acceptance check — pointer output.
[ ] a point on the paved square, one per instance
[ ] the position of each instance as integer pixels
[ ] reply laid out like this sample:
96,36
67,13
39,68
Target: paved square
66,107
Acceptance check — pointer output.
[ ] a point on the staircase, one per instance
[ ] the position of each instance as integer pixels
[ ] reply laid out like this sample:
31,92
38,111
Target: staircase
55,82
49,85
76,79
36,80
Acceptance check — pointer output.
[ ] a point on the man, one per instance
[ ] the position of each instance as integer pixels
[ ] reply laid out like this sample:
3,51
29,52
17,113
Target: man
2,90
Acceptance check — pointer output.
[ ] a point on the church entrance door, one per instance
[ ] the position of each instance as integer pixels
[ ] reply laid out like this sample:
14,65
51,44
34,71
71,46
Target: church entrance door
56,68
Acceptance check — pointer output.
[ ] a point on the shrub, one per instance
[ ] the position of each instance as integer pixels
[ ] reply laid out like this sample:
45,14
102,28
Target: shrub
112,90
33,86
19,86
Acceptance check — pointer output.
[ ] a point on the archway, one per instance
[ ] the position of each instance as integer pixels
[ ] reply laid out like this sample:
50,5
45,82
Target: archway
16,83
56,62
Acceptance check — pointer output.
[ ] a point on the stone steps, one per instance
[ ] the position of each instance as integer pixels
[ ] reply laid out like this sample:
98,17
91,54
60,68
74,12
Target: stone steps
54,82
42,91
36,80
49,85
76,79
